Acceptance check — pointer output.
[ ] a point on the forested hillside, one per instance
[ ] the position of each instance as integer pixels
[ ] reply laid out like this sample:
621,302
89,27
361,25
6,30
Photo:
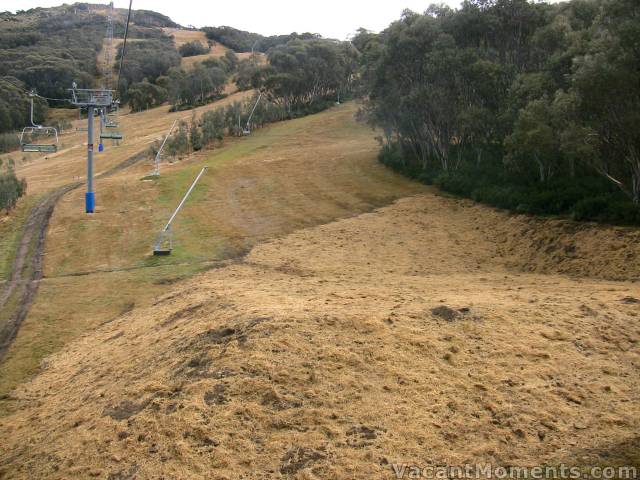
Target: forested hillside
241,41
47,49
529,106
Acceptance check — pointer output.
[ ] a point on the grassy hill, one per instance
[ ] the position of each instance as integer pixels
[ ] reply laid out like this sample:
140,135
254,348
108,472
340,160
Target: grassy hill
306,356
321,316
47,49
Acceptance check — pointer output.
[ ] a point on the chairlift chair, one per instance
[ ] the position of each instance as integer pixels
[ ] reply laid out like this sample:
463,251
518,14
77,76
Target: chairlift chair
26,143
111,120
111,136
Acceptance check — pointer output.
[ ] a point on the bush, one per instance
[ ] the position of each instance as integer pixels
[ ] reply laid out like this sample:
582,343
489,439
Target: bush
145,95
9,142
192,49
178,144
590,208
199,86
237,40
148,60
213,126
11,189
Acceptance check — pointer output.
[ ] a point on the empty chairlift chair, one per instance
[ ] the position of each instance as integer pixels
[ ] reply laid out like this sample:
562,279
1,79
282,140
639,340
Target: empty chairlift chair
37,138
111,120
111,136
111,123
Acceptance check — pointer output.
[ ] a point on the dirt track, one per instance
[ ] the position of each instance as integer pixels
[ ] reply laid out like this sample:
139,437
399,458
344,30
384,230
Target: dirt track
27,270
404,335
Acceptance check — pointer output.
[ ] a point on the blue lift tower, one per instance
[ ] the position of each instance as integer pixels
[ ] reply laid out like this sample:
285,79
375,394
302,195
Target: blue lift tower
91,100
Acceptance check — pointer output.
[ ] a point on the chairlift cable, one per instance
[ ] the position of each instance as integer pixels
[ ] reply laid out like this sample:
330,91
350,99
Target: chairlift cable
29,92
124,45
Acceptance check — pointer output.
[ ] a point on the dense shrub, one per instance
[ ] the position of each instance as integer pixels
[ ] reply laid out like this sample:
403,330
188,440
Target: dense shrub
241,41
250,75
145,95
304,76
148,18
11,189
192,49
9,142
213,126
585,198
47,49
237,40
554,85
198,86
178,144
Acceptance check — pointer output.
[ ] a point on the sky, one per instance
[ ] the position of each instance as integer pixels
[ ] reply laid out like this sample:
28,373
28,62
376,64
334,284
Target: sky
330,18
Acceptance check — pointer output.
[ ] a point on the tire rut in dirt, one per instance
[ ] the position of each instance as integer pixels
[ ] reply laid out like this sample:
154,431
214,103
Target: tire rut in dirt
27,270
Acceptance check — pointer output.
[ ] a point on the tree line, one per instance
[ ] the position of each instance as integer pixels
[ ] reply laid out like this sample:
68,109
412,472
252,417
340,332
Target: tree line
529,106
243,42
213,126
182,88
301,77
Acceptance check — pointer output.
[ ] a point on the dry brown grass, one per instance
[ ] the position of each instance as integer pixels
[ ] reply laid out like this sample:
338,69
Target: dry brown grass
411,334
326,354
258,188
181,36
185,36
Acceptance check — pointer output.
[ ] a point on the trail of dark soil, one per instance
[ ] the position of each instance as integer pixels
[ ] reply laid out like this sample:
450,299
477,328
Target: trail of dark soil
27,270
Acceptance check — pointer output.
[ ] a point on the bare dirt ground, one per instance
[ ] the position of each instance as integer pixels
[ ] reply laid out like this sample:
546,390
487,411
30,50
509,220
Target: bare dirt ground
409,335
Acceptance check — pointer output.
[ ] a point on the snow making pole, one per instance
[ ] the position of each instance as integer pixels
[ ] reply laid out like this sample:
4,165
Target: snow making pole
158,249
156,171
